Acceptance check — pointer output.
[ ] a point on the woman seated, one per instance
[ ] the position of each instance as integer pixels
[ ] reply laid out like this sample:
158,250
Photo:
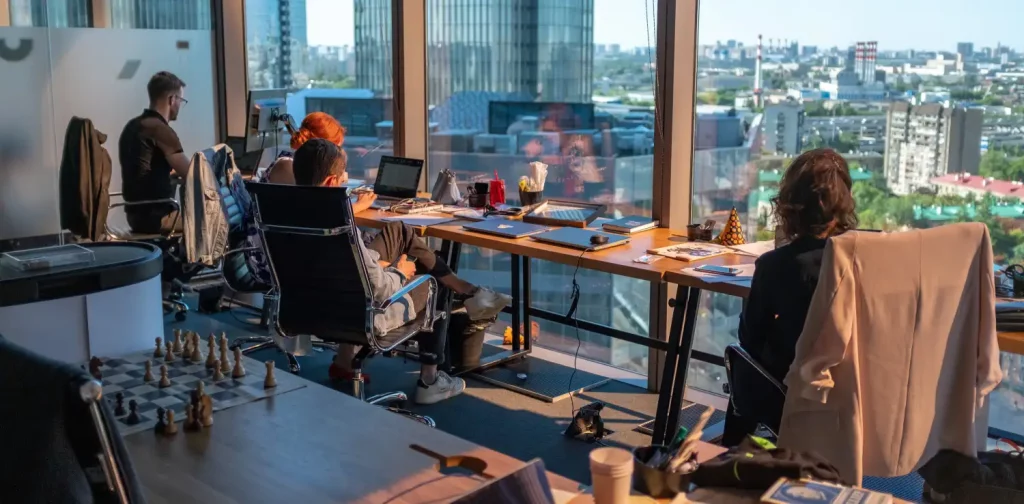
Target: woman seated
814,203
314,125
387,255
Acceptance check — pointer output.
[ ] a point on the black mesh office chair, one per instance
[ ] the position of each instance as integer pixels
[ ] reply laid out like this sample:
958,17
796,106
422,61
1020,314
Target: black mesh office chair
322,282
58,439
755,397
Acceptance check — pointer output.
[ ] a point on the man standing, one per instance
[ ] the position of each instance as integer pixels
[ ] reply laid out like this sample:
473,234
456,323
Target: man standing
150,154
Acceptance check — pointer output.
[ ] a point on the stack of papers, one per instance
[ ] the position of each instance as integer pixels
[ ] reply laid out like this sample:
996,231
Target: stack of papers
745,275
755,249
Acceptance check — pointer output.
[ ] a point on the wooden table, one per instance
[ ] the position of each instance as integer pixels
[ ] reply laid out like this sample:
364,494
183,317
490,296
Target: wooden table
309,445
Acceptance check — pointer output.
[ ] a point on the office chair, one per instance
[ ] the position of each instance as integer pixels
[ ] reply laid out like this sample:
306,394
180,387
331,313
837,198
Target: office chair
755,397
323,285
59,439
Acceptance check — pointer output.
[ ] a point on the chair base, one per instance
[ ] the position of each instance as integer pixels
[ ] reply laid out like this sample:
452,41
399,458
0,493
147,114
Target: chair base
179,308
359,390
264,342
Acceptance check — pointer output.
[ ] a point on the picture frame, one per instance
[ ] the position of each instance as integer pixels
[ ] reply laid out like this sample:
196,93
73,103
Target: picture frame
566,213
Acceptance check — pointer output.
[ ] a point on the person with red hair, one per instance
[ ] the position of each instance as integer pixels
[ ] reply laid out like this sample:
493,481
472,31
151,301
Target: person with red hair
314,125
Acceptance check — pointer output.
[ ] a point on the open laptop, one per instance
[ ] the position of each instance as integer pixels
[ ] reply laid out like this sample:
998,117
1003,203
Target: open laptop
397,179
580,238
505,228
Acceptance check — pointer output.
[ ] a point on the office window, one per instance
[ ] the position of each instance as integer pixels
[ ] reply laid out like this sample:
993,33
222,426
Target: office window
333,56
928,119
568,83
158,15
52,13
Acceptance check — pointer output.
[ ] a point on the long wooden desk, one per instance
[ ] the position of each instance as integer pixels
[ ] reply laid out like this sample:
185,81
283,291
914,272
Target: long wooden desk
309,445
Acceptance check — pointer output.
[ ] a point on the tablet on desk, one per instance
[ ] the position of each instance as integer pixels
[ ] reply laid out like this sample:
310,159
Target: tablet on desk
505,228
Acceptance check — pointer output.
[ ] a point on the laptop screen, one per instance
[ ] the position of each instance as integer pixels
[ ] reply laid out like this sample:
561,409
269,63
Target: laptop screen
398,177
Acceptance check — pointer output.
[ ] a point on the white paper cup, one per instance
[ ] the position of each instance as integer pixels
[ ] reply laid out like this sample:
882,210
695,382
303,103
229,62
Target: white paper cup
611,472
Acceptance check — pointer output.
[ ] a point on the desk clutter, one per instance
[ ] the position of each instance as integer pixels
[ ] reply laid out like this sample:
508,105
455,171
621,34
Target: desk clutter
178,381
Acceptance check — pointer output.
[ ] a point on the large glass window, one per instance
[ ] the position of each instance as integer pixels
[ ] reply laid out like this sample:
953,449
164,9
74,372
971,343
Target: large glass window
929,120
332,56
569,83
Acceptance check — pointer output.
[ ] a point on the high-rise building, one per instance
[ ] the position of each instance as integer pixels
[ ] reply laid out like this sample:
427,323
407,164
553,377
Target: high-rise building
865,58
508,46
177,15
965,49
783,128
929,141
275,41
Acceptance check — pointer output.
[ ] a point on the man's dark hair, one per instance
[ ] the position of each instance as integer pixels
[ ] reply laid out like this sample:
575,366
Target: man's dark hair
815,196
316,160
162,84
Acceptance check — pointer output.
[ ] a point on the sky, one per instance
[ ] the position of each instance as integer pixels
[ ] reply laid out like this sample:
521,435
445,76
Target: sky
895,24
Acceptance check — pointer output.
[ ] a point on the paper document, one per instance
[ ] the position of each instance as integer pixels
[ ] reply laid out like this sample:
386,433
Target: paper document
745,275
425,219
754,249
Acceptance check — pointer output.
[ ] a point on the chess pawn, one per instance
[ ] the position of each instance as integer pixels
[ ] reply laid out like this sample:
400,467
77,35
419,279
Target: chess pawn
200,389
169,354
197,355
171,428
177,341
164,380
206,418
211,355
270,381
161,423
148,377
218,375
159,351
239,370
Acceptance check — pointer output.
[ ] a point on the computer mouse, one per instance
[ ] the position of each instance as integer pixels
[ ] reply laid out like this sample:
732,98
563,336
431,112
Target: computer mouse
598,239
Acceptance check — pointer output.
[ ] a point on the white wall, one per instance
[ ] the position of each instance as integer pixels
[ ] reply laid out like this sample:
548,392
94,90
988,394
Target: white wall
82,71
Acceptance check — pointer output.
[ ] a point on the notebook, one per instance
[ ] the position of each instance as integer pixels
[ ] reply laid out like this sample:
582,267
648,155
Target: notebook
505,228
630,224
578,238
691,251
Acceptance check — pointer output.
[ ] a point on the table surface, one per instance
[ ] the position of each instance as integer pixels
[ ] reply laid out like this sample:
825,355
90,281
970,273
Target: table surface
309,445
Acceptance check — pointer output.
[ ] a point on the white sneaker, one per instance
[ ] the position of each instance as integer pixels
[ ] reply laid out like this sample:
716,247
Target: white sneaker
486,304
443,387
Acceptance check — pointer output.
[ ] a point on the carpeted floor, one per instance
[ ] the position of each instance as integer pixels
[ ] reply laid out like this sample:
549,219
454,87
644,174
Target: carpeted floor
504,421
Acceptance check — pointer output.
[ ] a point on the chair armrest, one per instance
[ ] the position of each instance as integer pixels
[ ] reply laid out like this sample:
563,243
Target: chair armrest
240,250
165,201
743,354
406,289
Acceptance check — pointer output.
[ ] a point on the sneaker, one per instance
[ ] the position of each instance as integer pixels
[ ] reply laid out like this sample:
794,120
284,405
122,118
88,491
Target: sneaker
443,387
486,304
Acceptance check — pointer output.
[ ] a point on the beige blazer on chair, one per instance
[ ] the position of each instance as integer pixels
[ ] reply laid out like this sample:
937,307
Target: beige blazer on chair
898,351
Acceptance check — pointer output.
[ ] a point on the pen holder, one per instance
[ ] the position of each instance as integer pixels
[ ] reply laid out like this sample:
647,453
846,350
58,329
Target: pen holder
527,198
707,235
657,483
693,232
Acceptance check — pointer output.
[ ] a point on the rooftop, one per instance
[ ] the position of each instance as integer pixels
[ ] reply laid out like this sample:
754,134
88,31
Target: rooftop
1001,188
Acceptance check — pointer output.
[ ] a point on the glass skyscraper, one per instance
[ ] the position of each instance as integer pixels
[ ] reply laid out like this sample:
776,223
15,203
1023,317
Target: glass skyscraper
275,41
514,46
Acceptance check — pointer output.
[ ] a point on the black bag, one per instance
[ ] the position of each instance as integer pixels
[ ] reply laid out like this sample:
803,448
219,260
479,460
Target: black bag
954,478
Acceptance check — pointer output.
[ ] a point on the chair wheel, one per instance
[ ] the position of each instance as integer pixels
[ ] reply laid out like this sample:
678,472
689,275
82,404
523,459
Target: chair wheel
180,316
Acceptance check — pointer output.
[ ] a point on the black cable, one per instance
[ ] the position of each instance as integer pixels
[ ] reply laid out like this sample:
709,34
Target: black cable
576,323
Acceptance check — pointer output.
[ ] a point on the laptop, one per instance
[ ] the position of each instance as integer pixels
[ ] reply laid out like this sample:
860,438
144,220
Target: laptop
528,485
579,239
505,228
397,180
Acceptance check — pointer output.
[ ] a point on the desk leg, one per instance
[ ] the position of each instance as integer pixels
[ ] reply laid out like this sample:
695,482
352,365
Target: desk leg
527,332
682,363
669,366
516,303
450,253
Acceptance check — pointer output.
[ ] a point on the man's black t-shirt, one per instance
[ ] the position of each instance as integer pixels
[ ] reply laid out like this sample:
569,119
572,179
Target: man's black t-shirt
143,148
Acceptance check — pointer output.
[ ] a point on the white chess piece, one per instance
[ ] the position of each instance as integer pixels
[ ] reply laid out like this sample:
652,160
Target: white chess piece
218,375
225,365
159,351
270,381
169,354
177,341
164,380
211,355
239,370
172,427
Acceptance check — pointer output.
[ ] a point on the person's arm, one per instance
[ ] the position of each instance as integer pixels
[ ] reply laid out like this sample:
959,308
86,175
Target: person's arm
167,141
758,314
363,202
384,282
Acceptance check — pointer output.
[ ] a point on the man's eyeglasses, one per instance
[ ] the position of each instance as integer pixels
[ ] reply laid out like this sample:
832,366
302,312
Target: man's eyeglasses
182,100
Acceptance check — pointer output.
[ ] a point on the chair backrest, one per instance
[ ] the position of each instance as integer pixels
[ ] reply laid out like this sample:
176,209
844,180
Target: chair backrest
316,260
753,392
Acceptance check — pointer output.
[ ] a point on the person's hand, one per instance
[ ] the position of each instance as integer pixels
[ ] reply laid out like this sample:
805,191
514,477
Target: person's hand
363,201
407,267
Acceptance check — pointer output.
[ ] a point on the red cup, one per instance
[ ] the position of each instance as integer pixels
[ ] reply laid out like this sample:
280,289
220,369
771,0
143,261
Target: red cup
497,192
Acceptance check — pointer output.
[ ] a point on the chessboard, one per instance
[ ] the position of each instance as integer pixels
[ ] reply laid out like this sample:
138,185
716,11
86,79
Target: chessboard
125,374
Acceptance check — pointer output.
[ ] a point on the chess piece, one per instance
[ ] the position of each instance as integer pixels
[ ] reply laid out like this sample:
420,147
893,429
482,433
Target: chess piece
218,375
148,377
159,351
239,370
177,341
94,368
133,413
270,381
164,380
206,418
225,366
161,424
171,428
169,354
732,233
190,418
211,355
196,356
186,348
201,389
119,406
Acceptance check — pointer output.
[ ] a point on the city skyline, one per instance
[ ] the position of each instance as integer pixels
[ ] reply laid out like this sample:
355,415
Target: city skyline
940,27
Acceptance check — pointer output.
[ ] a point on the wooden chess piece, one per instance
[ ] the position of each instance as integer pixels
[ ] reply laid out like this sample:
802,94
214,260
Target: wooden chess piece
119,404
239,370
225,366
186,348
164,380
169,354
171,428
269,381
206,419
161,424
94,368
201,388
211,355
148,377
218,375
190,418
177,341
159,351
197,355
133,413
